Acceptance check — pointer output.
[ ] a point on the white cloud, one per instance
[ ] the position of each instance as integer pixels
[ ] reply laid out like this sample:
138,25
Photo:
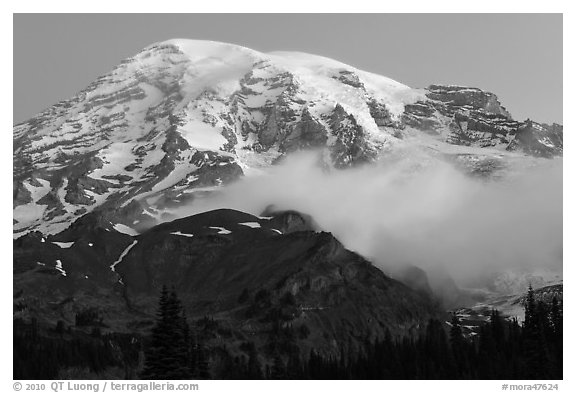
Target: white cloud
416,210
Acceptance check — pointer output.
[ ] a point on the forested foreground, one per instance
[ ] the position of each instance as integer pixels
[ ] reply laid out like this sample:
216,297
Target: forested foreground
501,349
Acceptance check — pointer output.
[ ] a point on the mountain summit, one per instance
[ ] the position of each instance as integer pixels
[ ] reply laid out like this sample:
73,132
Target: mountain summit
185,116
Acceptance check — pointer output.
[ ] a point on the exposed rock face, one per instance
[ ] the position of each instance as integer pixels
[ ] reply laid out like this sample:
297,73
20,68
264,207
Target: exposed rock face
288,221
21,195
182,117
352,145
349,78
381,115
302,277
539,139
465,96
308,133
472,117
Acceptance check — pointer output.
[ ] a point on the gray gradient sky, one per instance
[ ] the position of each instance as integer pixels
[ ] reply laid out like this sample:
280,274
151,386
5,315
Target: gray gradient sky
516,56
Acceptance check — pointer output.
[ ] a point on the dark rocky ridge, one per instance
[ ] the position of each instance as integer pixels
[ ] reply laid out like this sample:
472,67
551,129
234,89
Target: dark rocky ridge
303,278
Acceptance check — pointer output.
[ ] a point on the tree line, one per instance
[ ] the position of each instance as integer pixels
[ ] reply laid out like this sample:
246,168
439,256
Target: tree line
176,349
501,349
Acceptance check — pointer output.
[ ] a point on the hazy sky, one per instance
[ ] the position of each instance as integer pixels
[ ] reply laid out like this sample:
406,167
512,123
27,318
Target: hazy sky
516,56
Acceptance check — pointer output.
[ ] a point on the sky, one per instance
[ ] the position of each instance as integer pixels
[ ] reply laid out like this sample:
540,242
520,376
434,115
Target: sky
516,56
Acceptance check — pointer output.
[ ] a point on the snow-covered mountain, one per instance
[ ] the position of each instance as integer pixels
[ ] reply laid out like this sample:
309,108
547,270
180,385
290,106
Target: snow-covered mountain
183,117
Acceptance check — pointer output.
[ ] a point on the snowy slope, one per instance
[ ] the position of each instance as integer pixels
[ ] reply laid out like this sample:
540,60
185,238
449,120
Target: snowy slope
183,117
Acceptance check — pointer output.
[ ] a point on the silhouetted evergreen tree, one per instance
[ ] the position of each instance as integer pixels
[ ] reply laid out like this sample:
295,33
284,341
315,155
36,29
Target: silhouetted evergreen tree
436,351
557,332
556,317
168,355
458,346
534,340
203,365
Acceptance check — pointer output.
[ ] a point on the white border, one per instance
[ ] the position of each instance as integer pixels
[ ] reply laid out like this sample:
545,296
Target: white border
308,6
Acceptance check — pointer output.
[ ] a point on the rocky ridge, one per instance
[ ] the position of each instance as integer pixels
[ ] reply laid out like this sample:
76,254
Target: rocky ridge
249,274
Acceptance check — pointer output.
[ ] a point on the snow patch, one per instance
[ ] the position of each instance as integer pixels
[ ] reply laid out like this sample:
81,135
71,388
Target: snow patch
202,136
250,224
221,231
121,257
182,234
64,244
125,230
60,268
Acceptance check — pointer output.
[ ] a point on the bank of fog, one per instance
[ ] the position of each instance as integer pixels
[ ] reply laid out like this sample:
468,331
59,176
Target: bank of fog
428,214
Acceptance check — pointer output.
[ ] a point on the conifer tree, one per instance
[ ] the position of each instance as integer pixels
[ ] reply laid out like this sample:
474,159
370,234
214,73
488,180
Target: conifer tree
557,339
497,327
158,348
458,345
167,356
533,337
556,317
202,366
